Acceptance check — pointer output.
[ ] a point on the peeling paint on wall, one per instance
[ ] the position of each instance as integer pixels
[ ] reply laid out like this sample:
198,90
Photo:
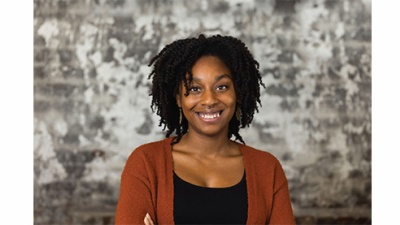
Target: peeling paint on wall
92,106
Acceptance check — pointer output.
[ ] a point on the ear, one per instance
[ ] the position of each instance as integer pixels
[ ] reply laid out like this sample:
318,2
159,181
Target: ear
178,100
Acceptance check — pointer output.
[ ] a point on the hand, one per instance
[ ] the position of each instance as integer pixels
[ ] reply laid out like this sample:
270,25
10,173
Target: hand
148,220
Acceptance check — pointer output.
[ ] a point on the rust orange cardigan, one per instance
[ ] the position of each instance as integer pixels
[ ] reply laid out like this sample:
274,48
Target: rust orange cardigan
147,187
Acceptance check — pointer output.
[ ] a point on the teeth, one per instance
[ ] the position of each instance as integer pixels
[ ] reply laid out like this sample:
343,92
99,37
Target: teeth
209,115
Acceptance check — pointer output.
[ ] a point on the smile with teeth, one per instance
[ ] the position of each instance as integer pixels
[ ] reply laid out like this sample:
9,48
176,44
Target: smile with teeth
210,115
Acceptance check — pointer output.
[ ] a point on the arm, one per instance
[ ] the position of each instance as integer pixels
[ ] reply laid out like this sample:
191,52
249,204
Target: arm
281,207
135,199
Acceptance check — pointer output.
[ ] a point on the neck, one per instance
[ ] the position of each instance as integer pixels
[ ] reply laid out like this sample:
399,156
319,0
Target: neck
207,146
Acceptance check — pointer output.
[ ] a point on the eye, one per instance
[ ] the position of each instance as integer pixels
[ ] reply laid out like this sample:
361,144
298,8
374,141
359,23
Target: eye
194,89
222,87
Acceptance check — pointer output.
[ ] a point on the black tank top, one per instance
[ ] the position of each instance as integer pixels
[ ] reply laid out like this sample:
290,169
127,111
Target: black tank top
202,205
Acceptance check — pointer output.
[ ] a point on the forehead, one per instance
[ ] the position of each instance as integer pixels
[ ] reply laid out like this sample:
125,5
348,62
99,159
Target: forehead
210,66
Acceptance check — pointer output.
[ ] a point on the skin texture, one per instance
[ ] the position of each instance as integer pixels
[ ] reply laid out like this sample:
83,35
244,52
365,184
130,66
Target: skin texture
211,91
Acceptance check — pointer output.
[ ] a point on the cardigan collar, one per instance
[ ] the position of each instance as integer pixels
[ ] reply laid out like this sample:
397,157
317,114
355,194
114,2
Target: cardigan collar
253,194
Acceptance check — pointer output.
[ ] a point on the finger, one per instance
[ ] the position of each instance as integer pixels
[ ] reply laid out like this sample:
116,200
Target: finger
149,219
146,221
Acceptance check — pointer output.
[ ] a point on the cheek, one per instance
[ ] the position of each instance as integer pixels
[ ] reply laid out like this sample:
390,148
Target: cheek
231,103
231,98
188,102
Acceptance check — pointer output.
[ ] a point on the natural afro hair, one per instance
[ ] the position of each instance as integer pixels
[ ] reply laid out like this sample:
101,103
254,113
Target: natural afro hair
173,65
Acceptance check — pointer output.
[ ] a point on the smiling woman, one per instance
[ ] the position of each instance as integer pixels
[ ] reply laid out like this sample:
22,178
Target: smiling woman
204,89
211,101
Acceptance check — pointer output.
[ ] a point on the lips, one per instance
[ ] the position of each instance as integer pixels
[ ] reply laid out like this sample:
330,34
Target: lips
210,115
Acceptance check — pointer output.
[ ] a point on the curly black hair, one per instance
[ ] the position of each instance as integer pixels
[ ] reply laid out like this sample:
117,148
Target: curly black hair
173,64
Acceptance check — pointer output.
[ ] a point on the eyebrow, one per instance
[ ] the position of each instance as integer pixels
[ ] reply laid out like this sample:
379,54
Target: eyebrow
218,78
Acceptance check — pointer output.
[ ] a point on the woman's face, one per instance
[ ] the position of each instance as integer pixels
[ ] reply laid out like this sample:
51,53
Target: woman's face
211,102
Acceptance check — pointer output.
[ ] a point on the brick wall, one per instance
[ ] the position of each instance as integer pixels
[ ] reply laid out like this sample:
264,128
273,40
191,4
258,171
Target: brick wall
91,103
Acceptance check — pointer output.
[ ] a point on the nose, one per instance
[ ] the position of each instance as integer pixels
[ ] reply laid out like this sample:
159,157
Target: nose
209,99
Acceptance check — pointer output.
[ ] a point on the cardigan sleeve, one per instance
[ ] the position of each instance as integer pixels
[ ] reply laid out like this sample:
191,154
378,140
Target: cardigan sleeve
135,198
281,212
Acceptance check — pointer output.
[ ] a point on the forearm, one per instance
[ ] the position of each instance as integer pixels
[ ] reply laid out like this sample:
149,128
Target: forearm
282,212
134,201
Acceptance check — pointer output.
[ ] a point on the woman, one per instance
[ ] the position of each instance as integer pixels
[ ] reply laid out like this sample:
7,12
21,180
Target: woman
204,90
